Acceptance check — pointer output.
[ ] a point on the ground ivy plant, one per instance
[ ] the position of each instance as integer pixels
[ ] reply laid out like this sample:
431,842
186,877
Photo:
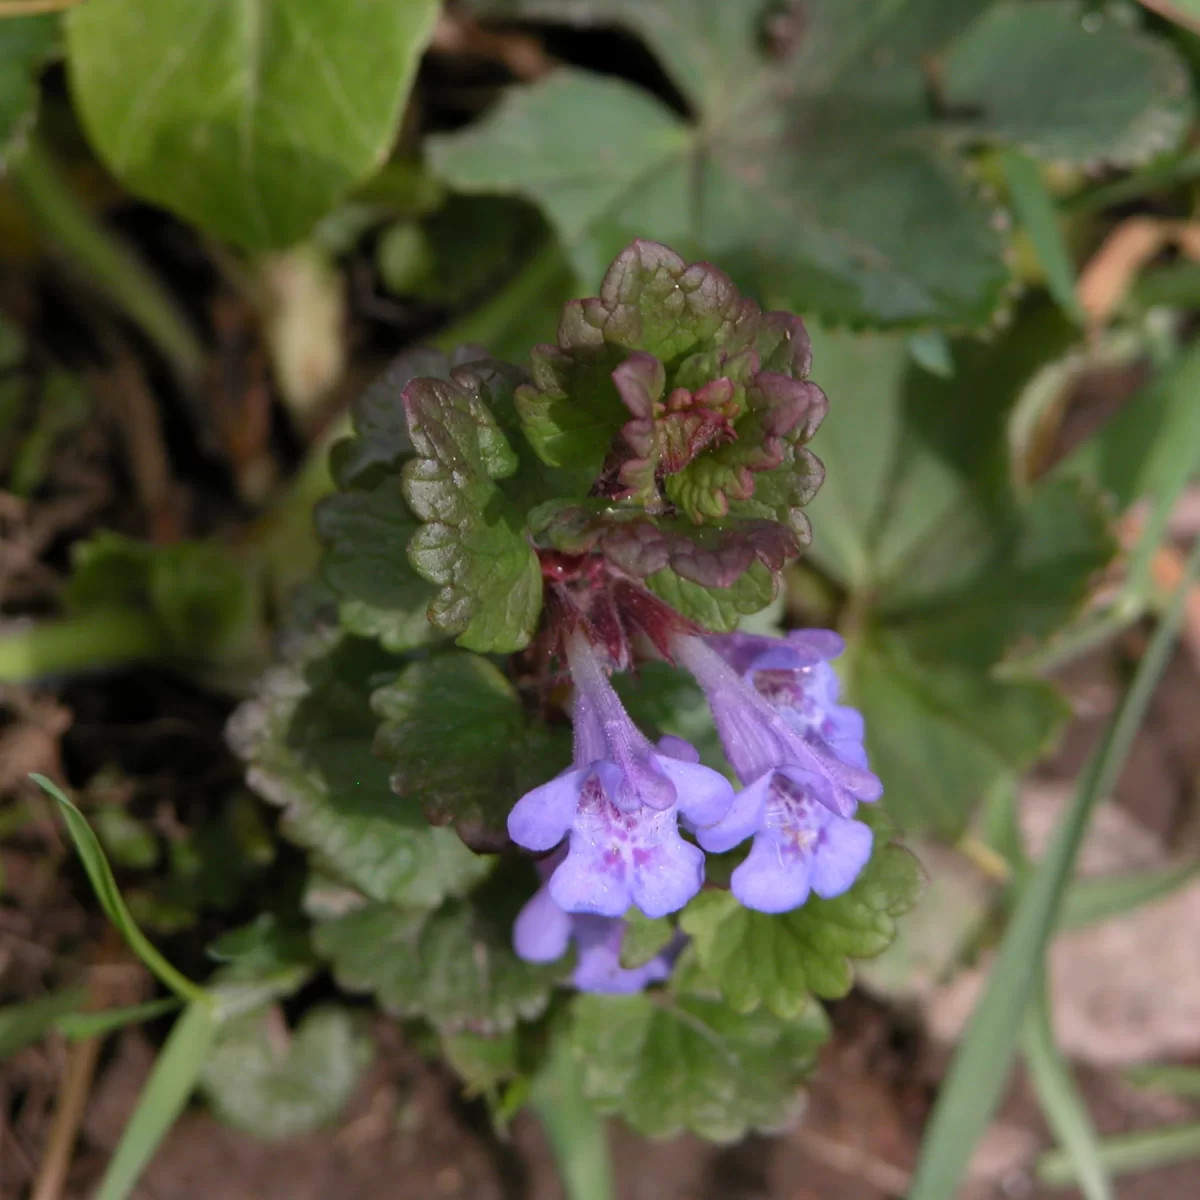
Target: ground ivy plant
552,790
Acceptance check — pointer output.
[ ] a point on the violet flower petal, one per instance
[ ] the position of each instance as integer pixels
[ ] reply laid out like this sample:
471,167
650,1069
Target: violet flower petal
542,817
542,930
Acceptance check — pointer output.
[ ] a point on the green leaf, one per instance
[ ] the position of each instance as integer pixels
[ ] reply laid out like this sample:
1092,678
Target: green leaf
462,702
307,739
25,44
817,150
716,608
781,961
977,1076
1089,89
128,842
644,937
454,966
78,1025
175,1072
1036,210
1145,448
201,599
812,202
364,532
472,543
249,119
1061,1102
105,886
670,1063
23,1024
949,567
974,728
483,1063
576,1132
272,1085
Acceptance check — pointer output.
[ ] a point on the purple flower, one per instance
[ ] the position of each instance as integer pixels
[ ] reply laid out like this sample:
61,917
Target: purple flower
619,805
801,758
793,674
543,931
782,719
799,845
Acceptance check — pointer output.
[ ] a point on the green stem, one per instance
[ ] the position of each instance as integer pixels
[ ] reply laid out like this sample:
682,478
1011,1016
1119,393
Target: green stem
1128,1152
108,264
99,639
577,1134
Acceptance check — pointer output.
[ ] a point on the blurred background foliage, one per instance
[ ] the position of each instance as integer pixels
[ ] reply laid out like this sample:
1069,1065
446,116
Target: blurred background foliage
220,221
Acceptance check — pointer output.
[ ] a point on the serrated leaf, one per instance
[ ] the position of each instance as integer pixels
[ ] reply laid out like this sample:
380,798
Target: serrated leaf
816,152
667,1064
366,533
1090,88
250,119
462,701
26,44
276,1090
780,961
716,608
472,542
380,442
816,210
941,733
454,966
307,739
482,1063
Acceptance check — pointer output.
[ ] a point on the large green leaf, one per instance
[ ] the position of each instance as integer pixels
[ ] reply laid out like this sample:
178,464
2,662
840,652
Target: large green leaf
670,1063
25,44
815,159
454,966
782,961
940,732
948,566
247,117
277,1087
1089,89
460,744
307,739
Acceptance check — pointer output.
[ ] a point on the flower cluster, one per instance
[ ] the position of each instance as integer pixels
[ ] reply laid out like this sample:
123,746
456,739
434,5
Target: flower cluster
614,817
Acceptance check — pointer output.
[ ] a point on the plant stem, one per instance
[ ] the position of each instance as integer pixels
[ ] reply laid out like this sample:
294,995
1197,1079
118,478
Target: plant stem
109,265
1127,1152
577,1134
975,1081
99,639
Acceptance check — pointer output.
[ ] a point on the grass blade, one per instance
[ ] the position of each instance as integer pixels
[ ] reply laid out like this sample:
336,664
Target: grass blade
23,1024
979,1071
1063,1106
77,1025
1126,1153
576,1132
1091,900
1178,1081
162,1099
100,873
1037,213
